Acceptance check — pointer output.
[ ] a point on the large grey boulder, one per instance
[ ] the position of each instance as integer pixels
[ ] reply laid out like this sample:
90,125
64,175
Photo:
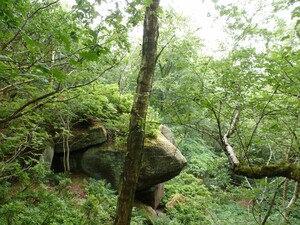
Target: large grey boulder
104,162
161,162
99,158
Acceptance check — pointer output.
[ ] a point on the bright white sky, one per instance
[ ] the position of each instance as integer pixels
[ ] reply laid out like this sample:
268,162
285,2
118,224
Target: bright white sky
198,11
202,12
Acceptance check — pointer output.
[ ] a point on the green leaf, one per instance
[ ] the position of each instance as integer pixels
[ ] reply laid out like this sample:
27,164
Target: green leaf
159,10
31,43
73,62
43,68
296,12
285,37
92,56
74,36
148,2
119,18
65,39
58,74
102,50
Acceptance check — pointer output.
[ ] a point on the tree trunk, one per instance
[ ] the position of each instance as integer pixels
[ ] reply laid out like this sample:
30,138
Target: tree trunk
135,141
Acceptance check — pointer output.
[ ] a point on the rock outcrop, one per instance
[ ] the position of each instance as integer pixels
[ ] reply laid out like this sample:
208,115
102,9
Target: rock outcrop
161,162
91,153
84,137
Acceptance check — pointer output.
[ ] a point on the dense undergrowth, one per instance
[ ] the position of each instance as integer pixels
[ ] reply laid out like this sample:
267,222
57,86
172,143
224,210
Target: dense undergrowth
46,198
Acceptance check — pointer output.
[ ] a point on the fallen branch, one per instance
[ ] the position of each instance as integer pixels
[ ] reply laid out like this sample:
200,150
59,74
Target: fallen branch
287,170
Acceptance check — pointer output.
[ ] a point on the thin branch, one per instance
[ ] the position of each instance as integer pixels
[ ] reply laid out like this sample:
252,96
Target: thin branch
295,196
93,80
163,48
29,16
263,113
20,111
272,202
218,123
9,87
271,155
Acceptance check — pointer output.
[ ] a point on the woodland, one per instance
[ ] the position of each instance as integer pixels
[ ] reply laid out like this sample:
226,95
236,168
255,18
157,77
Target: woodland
234,110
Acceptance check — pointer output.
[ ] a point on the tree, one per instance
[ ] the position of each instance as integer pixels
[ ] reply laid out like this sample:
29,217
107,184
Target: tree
135,141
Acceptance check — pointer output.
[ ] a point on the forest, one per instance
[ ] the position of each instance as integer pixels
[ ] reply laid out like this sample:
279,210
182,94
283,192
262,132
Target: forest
117,84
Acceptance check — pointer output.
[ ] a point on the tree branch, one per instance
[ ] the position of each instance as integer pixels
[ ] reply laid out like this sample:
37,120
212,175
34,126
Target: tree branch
290,171
11,86
163,48
20,111
262,115
93,80
29,16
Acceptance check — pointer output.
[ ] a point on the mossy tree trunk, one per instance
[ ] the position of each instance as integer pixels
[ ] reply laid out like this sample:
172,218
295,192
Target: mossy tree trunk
135,141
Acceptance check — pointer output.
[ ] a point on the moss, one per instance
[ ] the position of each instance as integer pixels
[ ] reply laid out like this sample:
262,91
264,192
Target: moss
273,170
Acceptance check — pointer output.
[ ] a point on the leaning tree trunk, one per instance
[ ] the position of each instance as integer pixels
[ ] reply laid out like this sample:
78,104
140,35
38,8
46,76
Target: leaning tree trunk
135,141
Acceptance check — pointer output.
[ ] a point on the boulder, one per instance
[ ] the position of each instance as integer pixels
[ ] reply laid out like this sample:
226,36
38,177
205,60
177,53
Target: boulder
83,138
92,154
103,162
161,162
152,196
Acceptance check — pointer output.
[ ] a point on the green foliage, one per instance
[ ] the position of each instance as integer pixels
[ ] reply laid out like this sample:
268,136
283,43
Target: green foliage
190,200
100,203
31,202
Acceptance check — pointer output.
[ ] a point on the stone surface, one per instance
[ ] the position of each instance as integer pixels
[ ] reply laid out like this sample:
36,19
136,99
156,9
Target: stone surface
84,138
152,196
161,162
103,162
147,210
167,133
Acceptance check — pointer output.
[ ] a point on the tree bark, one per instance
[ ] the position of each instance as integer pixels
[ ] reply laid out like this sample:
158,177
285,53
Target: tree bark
287,170
135,141
227,147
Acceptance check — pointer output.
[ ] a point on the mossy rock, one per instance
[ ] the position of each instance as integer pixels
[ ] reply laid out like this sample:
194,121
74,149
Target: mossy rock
161,162
83,138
